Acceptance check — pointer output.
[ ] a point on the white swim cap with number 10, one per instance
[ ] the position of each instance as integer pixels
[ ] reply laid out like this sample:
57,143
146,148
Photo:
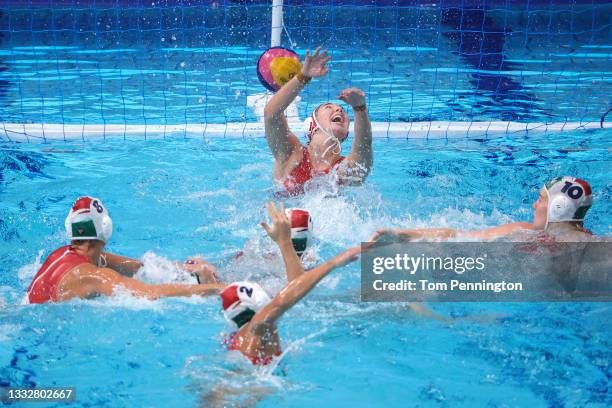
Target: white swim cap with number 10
569,199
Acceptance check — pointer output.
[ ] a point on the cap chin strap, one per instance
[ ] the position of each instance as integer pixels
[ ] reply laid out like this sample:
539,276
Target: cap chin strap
336,143
102,262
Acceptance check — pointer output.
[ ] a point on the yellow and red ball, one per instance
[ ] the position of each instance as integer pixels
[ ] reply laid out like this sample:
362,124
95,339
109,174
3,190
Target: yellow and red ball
276,67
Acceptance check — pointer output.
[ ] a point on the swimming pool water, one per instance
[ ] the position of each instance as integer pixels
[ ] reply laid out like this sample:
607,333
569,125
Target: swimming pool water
159,63
163,63
174,198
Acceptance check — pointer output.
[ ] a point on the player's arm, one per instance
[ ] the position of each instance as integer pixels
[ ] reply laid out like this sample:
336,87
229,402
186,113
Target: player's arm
396,234
122,264
446,233
87,281
281,140
204,271
496,232
299,287
280,232
359,161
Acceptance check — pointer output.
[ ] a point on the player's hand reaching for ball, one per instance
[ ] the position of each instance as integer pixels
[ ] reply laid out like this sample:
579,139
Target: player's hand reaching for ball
315,65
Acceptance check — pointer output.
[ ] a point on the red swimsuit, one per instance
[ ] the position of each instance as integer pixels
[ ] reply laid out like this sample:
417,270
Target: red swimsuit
294,183
44,285
231,341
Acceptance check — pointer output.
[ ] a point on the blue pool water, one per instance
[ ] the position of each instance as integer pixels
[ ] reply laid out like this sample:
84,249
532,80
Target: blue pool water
158,63
538,61
170,199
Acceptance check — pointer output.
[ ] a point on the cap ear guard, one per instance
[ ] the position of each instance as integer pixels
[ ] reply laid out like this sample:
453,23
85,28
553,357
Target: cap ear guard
243,317
310,125
107,228
558,207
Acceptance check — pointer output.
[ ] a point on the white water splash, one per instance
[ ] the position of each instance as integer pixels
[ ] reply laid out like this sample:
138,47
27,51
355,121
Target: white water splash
196,195
293,347
158,269
258,261
352,216
26,272
230,379
344,217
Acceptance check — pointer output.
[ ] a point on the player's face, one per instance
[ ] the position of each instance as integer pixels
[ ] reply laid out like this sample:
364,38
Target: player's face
331,116
540,208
